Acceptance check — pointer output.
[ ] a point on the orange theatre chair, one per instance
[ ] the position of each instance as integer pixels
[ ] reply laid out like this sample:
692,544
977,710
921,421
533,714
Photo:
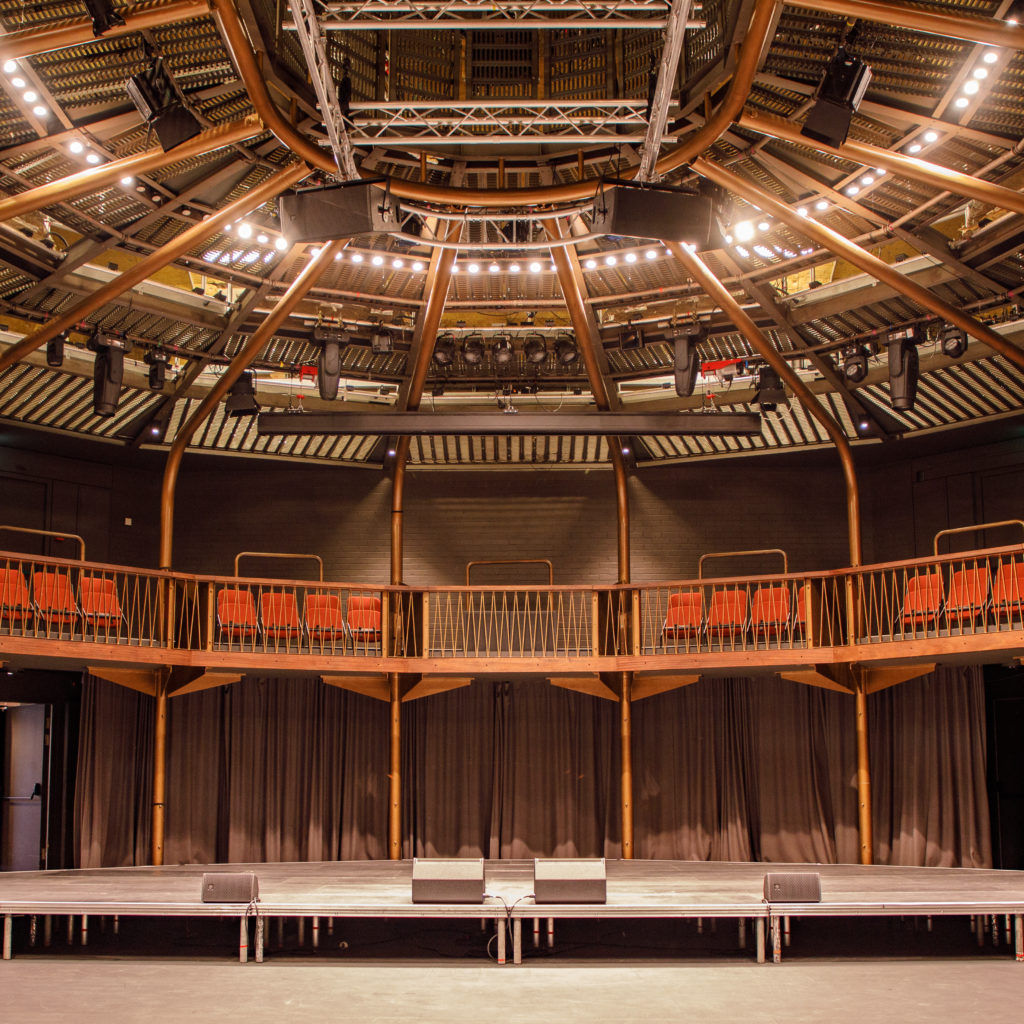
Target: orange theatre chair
236,615
1008,591
727,616
101,608
324,620
15,603
684,618
55,600
769,613
279,615
968,599
364,619
922,600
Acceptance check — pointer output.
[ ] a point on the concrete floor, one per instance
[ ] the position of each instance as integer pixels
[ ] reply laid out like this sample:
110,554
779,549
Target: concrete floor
85,990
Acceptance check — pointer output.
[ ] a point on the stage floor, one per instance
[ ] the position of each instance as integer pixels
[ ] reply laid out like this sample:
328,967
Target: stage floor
636,889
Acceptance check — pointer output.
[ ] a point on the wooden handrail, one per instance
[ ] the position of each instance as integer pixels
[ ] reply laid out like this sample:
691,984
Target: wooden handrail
737,554
974,529
513,561
278,554
56,534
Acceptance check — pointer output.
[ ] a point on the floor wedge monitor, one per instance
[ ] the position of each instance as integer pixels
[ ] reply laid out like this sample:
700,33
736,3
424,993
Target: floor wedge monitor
230,887
448,881
567,880
792,887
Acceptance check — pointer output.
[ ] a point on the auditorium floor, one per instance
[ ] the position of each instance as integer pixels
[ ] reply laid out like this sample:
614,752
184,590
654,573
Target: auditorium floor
87,990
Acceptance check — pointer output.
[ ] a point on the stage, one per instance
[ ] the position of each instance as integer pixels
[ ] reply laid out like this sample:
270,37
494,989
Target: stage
317,892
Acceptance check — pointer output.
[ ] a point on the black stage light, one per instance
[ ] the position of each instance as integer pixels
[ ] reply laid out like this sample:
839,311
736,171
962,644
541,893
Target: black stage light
903,368
55,350
382,342
631,337
842,88
103,15
687,363
444,350
157,369
156,99
855,365
108,372
535,349
566,350
473,350
770,393
954,342
241,400
502,351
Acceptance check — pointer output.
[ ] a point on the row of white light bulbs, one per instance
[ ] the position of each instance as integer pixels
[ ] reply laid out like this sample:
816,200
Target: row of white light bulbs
29,95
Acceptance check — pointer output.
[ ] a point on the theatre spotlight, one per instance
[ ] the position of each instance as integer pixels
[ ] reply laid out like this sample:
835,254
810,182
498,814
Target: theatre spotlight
157,100
954,342
855,365
241,400
108,372
157,362
382,342
535,349
903,368
631,337
473,350
566,350
103,15
502,351
55,350
770,393
444,350
842,88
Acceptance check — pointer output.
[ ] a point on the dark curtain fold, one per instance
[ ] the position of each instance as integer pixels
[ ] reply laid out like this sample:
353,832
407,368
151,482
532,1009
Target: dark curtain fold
726,769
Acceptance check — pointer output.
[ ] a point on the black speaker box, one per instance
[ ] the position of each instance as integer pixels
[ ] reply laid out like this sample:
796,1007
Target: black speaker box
230,887
108,374
339,211
565,880
663,213
448,881
792,887
903,374
687,366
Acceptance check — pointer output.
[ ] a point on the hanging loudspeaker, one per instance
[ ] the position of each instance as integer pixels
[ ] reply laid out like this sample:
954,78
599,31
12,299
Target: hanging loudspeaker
328,370
687,364
341,211
903,366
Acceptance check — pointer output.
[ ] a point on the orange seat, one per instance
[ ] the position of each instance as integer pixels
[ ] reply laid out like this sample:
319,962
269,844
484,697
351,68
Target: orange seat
769,612
236,614
1008,590
101,608
968,594
279,615
323,618
55,599
15,603
685,614
364,617
728,613
922,599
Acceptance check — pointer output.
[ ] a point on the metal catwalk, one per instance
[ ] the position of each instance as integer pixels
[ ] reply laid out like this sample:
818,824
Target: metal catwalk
636,889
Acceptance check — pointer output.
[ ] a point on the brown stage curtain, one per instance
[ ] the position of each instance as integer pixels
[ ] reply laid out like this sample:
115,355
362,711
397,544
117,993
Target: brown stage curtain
735,769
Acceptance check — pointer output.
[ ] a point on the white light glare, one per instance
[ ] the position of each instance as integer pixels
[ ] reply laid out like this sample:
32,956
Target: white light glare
991,56
245,230
377,260
10,67
631,257
535,267
650,254
744,231
280,244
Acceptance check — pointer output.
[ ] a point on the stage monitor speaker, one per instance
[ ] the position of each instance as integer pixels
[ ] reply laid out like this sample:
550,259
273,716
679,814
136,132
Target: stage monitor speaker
792,887
448,881
230,887
339,211
663,213
566,880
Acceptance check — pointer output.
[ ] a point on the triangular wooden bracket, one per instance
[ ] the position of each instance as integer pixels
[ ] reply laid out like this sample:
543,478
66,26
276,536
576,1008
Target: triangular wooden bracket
649,684
591,684
370,684
144,680
827,677
428,685
194,680
881,677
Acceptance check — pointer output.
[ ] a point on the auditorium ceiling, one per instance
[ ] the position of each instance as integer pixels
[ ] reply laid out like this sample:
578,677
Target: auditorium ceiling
498,129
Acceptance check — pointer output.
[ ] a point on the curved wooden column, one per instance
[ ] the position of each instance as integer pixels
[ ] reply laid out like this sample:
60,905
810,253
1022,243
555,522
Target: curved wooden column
156,260
93,178
841,246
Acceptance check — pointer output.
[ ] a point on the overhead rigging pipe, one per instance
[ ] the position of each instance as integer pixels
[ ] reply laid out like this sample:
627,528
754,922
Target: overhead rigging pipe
588,342
841,246
156,260
93,178
907,166
439,278
237,42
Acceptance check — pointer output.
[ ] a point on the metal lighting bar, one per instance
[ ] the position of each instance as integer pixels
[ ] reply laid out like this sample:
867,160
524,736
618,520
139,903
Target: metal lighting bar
576,424
311,38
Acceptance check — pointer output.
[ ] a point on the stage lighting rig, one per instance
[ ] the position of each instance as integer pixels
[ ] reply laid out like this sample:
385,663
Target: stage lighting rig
855,365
